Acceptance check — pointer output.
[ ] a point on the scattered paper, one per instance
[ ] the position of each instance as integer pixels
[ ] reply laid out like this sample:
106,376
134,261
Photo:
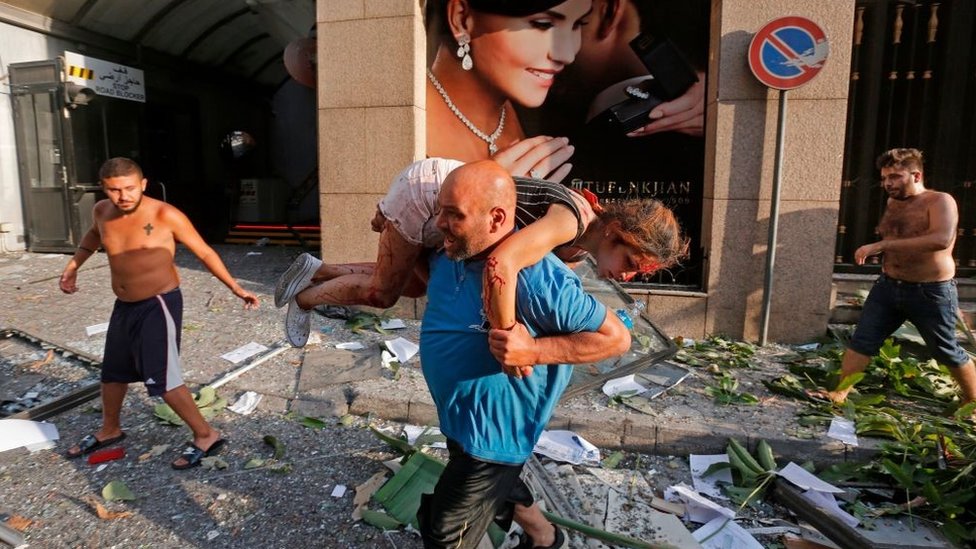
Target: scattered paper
807,347
709,485
46,445
253,253
726,534
843,430
393,324
827,503
244,352
404,349
350,346
339,490
414,431
626,385
806,480
387,358
698,508
15,433
96,329
246,403
567,446
365,491
101,467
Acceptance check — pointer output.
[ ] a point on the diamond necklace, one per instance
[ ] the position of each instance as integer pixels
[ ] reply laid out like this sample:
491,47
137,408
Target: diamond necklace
490,139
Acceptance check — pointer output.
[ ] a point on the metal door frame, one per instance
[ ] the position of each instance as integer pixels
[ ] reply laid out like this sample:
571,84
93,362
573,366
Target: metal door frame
77,199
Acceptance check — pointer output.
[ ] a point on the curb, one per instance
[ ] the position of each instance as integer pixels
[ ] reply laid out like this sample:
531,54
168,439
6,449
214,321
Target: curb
619,431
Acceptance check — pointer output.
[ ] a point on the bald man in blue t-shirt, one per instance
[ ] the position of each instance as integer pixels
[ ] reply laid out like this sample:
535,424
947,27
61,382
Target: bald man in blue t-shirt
492,420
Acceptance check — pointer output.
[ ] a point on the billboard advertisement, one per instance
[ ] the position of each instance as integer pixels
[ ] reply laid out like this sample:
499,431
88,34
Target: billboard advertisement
602,95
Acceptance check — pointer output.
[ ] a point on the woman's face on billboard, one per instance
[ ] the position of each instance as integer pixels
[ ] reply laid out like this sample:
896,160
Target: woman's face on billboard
520,56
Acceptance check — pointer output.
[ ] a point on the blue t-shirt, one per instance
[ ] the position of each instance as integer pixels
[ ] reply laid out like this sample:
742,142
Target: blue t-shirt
493,416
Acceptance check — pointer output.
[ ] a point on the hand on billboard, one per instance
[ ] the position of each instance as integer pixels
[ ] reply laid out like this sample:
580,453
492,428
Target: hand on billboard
540,157
685,114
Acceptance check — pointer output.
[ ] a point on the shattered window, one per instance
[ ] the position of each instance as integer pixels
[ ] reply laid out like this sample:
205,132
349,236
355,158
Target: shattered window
649,344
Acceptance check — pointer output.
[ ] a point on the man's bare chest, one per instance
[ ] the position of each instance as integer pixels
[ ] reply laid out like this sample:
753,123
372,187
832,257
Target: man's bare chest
136,233
904,220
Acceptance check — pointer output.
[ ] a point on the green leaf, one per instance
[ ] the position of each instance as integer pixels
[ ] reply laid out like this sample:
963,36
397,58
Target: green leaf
166,414
611,461
347,420
380,520
849,381
956,532
282,469
397,443
206,396
279,448
214,408
966,411
903,478
117,490
254,463
311,422
716,467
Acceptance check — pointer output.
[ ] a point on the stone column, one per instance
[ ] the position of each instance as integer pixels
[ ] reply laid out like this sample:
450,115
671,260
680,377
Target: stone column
739,175
371,114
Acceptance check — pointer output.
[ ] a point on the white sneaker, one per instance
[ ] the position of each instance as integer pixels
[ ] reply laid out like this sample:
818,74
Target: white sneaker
296,278
298,323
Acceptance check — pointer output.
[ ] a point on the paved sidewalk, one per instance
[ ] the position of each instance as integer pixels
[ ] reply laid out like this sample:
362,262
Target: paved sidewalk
303,380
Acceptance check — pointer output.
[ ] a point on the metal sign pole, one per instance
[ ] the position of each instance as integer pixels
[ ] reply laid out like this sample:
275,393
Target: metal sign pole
773,217
785,54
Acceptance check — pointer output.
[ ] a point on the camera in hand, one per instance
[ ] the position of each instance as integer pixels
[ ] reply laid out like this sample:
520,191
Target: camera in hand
632,100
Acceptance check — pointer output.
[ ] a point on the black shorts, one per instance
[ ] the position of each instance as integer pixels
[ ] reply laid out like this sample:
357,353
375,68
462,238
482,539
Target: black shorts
143,343
470,495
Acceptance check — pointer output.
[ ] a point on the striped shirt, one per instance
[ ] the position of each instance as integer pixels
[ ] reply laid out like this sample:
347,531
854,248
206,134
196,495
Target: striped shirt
534,196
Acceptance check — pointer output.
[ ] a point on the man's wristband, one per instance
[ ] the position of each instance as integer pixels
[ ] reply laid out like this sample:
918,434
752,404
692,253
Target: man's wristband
89,250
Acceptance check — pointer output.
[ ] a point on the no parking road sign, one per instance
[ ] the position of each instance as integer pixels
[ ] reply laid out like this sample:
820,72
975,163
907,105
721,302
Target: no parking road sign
788,52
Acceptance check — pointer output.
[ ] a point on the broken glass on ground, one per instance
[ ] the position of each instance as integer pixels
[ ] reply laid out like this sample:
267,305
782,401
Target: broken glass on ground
35,375
649,344
655,379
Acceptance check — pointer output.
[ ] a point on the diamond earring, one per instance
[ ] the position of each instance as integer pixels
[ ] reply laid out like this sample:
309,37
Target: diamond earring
464,52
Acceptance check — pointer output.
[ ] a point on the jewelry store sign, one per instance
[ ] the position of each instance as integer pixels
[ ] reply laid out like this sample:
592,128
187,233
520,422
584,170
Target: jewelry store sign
105,78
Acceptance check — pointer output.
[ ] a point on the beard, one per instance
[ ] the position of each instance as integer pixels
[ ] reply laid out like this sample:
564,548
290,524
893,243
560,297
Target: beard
897,194
131,208
459,252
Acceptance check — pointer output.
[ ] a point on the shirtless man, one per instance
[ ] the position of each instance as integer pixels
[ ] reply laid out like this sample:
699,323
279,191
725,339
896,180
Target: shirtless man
918,230
139,235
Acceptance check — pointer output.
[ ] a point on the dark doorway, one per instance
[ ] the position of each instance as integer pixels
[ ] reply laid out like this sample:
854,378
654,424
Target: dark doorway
912,85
